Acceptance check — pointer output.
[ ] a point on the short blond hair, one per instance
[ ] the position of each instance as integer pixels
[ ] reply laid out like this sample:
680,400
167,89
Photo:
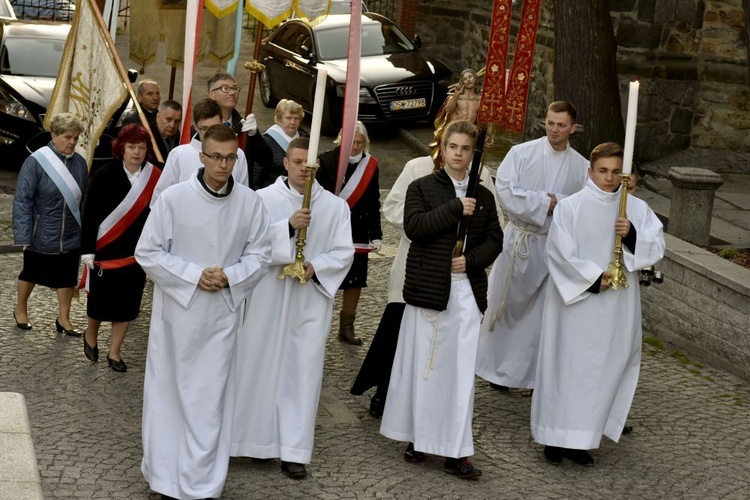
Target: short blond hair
285,105
359,127
65,122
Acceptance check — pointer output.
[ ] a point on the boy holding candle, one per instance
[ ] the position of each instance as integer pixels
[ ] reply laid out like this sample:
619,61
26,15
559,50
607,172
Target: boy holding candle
590,349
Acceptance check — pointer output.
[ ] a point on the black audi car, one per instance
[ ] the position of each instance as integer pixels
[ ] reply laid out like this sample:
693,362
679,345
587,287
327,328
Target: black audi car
30,54
397,82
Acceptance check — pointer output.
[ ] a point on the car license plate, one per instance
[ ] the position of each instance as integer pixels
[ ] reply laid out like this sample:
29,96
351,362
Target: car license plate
408,104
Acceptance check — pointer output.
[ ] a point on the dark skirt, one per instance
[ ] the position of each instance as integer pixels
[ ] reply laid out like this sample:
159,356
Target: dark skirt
54,270
376,368
115,294
357,275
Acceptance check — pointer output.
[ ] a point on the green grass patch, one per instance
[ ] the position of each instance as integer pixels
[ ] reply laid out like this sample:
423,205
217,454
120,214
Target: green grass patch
681,358
730,253
655,343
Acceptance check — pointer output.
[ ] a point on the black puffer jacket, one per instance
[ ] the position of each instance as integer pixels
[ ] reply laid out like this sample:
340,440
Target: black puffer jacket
431,216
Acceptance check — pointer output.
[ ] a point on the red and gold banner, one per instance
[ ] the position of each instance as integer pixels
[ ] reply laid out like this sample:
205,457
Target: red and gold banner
516,98
493,90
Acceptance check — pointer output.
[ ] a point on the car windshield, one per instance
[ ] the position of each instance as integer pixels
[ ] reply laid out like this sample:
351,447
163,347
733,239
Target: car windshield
377,39
17,58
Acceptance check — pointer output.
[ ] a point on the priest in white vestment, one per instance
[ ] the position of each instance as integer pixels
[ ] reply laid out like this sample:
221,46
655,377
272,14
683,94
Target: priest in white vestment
283,338
205,245
184,160
590,348
532,179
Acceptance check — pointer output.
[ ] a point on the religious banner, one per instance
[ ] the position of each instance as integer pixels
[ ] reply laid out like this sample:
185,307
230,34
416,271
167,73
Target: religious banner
516,99
273,12
493,90
90,83
221,8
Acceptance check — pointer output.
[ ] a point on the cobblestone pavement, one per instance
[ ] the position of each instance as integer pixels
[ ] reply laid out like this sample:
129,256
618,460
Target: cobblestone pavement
691,438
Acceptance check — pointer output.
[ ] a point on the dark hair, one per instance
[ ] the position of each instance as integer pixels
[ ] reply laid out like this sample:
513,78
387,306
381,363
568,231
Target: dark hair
219,133
460,127
170,104
298,143
206,108
133,134
219,76
605,150
564,107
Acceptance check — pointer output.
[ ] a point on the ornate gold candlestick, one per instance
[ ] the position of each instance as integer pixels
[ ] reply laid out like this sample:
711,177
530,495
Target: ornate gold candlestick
296,268
616,267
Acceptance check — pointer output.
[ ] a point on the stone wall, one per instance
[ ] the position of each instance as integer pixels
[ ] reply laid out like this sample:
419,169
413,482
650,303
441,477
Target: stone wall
690,55
703,306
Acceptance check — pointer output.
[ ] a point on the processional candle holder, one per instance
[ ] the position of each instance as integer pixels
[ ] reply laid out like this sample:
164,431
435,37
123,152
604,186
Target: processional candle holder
296,269
616,267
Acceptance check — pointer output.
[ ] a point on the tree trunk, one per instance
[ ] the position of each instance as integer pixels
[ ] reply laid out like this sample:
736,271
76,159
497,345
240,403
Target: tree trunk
586,70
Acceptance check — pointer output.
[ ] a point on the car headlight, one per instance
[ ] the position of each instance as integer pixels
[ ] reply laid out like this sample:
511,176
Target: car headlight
364,94
11,106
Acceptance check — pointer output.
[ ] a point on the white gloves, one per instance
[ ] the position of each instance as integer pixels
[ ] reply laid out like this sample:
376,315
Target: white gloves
250,125
376,245
88,260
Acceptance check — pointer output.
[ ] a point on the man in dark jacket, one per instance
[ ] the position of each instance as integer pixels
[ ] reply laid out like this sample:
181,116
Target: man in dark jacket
432,381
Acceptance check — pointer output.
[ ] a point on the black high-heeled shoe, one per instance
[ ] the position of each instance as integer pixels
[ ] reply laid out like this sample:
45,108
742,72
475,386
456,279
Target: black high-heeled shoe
72,332
22,326
118,366
91,352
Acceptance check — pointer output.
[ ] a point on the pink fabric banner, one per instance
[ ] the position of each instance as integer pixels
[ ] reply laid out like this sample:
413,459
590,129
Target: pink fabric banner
193,21
351,92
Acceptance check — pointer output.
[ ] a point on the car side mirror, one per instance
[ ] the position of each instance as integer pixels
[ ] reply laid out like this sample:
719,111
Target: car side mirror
417,41
306,52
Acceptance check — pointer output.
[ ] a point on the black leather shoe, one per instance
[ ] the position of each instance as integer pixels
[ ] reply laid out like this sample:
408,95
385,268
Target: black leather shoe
413,456
72,332
294,470
22,326
628,429
553,454
91,352
462,468
581,457
118,366
377,405
498,387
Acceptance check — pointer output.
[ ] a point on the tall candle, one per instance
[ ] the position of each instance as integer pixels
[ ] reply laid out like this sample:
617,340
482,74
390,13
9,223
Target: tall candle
627,157
317,117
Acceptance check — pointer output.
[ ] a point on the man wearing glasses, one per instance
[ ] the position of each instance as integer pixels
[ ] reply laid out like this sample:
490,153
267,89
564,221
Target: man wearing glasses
184,160
223,88
205,246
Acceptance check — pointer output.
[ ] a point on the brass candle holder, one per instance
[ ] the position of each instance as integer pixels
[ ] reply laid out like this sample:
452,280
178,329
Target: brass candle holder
616,267
296,269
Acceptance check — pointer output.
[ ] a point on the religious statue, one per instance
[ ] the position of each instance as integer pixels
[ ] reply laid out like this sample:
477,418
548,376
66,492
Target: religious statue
461,104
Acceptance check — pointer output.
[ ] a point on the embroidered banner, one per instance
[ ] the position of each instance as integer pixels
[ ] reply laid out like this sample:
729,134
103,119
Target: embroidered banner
516,99
493,89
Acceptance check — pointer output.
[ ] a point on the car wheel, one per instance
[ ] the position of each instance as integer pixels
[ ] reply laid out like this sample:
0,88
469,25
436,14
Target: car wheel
266,93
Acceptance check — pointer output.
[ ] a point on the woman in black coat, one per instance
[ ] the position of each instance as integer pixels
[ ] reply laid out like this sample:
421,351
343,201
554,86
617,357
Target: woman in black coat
118,205
362,193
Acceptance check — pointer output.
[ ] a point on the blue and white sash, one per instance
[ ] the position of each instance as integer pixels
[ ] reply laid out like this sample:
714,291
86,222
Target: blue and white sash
61,176
277,134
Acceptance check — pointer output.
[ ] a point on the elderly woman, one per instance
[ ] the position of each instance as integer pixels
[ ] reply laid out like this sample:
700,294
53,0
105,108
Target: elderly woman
269,163
47,220
362,193
117,205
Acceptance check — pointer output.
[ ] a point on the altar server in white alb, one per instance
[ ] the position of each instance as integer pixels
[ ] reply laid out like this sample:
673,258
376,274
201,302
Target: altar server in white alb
205,245
184,160
430,401
282,342
590,350
532,179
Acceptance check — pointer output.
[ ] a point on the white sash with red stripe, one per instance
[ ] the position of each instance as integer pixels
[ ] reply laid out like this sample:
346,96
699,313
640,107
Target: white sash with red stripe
357,184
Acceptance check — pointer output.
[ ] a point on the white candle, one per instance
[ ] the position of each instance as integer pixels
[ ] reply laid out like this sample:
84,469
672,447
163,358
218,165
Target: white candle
627,157
317,117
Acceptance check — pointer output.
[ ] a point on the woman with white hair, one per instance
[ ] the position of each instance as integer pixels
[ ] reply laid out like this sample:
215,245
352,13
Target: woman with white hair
269,162
362,193
47,220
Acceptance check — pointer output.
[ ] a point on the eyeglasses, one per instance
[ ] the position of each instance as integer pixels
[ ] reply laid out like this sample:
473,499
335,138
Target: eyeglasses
230,159
226,89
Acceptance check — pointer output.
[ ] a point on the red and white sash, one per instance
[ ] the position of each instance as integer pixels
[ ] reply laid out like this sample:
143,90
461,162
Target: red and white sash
357,184
122,217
